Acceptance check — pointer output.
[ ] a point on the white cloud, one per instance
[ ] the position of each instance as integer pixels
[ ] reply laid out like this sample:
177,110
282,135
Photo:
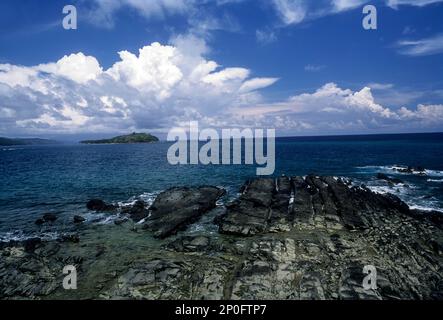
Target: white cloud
293,12
343,5
104,10
333,109
201,19
224,77
157,88
153,70
257,83
265,36
422,47
380,86
77,67
314,68
6,113
426,113
417,3
163,86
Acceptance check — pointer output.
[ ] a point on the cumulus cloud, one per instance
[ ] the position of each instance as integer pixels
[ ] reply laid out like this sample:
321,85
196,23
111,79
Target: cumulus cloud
156,88
333,109
163,86
77,67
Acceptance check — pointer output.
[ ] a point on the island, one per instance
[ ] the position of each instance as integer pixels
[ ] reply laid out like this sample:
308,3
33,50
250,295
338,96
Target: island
25,142
126,139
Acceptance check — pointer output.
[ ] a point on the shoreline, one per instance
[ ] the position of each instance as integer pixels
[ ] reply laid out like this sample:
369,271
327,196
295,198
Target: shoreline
289,238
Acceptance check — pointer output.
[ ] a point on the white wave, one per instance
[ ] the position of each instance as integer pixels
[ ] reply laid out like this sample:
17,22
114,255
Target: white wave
396,169
435,180
434,173
388,189
426,208
109,219
21,236
409,193
147,197
10,149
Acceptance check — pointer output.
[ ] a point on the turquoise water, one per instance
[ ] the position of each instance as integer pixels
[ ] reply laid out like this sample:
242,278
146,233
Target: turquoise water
62,178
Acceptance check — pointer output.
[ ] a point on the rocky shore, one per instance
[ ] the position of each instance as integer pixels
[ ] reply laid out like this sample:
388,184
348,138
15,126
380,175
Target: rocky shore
286,238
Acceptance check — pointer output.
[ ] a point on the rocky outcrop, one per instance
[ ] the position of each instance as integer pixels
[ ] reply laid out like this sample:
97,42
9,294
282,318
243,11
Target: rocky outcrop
99,205
138,211
47,217
286,238
317,202
390,180
78,219
410,170
176,208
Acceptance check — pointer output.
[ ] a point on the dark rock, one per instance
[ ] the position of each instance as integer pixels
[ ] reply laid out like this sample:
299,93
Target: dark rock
176,208
190,244
382,176
78,219
100,251
120,221
249,214
138,211
317,201
74,238
31,244
328,232
100,206
410,170
49,217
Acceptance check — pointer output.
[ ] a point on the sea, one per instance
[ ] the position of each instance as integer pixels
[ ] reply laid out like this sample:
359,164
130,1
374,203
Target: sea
60,179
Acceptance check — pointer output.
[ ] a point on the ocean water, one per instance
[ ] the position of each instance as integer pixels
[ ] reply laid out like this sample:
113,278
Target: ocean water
61,178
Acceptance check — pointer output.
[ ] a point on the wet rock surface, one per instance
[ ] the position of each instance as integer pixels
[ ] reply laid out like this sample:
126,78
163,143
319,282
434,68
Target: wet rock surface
176,208
138,211
99,205
286,238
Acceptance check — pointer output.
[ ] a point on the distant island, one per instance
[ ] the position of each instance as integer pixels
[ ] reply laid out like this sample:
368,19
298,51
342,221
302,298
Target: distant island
24,142
127,139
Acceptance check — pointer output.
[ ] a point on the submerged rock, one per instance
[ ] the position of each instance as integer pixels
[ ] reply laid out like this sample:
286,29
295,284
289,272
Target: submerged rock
176,208
382,176
47,217
78,219
100,206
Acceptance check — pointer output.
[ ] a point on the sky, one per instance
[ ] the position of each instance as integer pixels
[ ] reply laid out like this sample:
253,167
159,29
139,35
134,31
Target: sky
301,67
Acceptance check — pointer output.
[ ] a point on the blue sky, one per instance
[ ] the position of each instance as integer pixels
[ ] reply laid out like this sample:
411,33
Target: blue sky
302,67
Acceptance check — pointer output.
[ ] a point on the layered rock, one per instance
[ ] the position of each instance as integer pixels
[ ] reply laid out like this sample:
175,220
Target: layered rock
316,202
